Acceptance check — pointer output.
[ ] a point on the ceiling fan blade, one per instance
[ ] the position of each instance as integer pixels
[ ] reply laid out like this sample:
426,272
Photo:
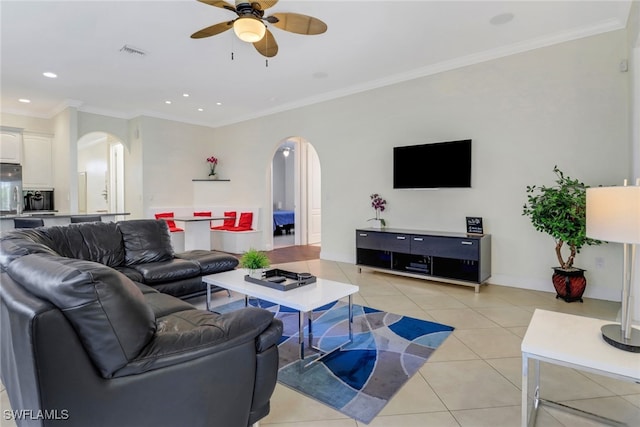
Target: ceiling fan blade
267,46
265,4
212,30
298,23
219,3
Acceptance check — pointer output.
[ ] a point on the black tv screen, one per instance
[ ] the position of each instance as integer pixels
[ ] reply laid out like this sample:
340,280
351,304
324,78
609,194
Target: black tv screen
437,165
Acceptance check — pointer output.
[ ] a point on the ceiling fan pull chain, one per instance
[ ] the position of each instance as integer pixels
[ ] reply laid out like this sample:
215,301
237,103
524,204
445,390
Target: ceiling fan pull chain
266,63
232,55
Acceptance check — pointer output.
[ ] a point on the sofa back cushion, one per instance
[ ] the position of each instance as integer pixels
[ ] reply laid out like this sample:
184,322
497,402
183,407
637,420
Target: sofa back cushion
107,310
90,241
100,242
146,240
18,243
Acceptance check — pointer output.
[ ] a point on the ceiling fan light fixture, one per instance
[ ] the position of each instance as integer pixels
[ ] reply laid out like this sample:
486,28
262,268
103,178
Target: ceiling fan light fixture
249,29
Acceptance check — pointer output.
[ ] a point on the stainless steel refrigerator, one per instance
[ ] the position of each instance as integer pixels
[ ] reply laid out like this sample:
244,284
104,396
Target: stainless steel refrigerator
10,188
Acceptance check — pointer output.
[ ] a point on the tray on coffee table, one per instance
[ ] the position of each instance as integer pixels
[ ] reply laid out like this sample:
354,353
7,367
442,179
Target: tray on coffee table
282,280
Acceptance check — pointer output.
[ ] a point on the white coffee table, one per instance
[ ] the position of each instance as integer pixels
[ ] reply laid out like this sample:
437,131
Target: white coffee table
305,299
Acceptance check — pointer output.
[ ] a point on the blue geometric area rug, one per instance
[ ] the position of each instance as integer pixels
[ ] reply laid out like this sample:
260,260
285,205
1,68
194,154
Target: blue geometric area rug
360,378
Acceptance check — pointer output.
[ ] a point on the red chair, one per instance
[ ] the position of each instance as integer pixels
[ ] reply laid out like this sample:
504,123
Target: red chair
228,223
171,223
244,223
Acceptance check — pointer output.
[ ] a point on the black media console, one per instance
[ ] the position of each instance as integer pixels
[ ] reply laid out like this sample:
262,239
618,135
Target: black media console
448,257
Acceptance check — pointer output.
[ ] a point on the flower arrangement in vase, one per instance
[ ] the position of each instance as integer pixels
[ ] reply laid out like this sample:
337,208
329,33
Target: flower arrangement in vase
378,204
213,162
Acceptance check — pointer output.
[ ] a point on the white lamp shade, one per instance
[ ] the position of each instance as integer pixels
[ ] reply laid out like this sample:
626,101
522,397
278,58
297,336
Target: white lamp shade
613,214
249,29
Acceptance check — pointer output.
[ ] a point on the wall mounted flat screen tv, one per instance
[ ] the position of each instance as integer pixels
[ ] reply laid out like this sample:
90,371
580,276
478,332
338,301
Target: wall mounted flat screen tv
437,165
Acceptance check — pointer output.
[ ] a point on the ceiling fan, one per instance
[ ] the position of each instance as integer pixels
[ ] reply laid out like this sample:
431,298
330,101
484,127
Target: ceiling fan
250,24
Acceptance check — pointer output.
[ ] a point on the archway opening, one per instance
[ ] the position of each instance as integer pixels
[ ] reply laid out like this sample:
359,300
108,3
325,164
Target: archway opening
296,194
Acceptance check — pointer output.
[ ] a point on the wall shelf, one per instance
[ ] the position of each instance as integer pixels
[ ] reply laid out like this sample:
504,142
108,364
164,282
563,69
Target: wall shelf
211,180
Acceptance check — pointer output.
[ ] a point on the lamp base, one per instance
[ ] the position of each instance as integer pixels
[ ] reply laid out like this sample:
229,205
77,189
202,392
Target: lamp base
612,334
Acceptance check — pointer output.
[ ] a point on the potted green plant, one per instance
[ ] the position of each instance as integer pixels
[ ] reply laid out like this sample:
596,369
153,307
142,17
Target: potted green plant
560,211
255,262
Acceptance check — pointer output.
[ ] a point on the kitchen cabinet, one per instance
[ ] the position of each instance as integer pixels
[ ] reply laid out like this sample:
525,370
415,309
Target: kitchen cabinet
449,257
37,165
10,145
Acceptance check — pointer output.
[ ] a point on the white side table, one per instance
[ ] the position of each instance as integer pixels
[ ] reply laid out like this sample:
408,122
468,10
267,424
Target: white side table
575,342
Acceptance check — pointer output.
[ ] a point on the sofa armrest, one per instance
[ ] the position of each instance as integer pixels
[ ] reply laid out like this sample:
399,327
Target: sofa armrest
270,337
191,334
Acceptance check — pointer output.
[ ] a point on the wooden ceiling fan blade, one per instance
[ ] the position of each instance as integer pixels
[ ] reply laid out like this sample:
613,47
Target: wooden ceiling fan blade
212,30
265,4
298,23
267,46
219,3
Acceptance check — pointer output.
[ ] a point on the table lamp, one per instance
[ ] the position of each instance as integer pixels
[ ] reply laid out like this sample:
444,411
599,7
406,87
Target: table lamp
613,215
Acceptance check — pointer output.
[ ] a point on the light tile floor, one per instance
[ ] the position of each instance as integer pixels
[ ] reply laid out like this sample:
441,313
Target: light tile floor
473,379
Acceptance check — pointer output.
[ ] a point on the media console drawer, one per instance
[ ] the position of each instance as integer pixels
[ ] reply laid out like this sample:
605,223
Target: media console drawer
449,257
383,241
445,247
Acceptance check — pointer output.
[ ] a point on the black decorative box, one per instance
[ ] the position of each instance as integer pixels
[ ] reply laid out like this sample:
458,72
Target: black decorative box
282,280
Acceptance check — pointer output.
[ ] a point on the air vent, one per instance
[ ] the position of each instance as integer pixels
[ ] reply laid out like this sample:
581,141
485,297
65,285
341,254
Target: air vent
132,50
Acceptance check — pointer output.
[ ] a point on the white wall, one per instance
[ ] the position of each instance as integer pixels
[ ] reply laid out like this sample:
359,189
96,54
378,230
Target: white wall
173,154
565,104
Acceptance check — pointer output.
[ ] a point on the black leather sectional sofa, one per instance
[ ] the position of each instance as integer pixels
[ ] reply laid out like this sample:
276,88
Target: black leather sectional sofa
84,342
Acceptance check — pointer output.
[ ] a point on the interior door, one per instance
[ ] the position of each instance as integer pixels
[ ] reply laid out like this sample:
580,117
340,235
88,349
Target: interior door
314,206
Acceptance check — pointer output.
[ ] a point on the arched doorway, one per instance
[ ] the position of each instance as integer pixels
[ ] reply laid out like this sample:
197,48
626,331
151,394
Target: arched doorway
100,173
295,194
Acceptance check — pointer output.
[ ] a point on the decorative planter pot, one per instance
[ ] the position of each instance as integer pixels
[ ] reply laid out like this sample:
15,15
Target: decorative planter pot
376,223
256,273
213,177
569,284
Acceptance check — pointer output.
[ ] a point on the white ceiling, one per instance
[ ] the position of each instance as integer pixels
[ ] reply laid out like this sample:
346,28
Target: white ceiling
368,44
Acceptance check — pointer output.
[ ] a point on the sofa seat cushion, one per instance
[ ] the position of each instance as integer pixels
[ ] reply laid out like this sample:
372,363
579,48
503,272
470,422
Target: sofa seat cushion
131,273
167,271
145,241
190,334
162,304
185,288
107,310
210,262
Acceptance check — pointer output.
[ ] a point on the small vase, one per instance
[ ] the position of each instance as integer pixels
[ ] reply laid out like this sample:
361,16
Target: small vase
213,176
376,223
256,273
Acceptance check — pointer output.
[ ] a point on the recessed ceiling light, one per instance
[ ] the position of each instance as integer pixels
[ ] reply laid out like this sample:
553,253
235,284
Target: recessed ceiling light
167,102
501,19
200,109
24,100
50,75
186,95
218,103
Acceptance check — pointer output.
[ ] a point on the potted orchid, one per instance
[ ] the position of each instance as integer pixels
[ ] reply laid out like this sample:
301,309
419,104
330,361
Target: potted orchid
213,162
378,204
